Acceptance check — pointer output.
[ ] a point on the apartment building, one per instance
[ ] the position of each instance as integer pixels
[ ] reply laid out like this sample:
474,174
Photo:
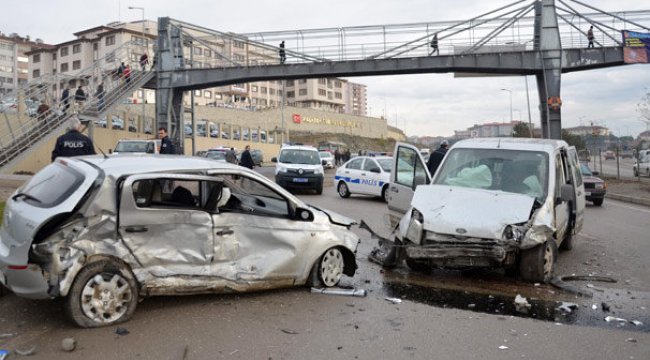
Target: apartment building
14,63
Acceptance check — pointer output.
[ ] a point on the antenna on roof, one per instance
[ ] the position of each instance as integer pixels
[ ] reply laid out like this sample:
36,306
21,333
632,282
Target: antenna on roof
103,153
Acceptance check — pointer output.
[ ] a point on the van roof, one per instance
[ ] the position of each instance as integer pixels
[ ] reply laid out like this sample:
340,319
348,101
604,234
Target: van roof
546,145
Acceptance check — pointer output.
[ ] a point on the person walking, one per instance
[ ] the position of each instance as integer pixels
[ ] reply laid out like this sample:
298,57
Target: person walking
144,60
120,72
436,157
65,98
347,155
166,145
99,94
80,95
283,55
337,157
231,156
43,111
247,158
73,143
434,45
127,73
590,37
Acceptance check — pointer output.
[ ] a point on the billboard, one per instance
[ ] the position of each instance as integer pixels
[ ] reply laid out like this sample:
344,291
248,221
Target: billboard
636,48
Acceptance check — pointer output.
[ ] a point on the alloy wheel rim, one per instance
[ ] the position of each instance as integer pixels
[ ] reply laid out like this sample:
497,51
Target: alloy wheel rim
343,189
105,298
332,267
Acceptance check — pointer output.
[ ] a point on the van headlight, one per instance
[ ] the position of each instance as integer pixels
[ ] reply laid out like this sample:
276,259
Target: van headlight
282,169
318,171
513,233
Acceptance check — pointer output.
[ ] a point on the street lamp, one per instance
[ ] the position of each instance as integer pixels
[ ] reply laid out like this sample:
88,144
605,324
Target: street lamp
144,47
510,91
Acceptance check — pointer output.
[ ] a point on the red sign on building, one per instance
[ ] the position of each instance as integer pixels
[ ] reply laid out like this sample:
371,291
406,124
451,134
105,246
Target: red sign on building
296,118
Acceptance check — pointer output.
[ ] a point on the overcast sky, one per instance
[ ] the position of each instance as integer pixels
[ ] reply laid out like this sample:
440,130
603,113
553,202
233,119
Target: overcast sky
431,104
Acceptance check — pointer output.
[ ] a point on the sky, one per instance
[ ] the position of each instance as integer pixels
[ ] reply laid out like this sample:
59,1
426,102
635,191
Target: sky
423,104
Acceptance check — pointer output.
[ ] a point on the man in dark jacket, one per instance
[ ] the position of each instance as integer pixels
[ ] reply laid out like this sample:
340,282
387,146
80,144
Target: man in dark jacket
73,143
436,157
247,158
65,98
166,145
80,95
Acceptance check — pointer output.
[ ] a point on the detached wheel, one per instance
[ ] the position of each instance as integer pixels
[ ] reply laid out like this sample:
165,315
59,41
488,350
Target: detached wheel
103,293
343,190
328,270
384,193
598,202
537,264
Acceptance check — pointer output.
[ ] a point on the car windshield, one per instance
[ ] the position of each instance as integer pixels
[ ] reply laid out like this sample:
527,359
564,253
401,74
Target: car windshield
131,146
584,169
216,155
516,171
386,164
325,154
295,156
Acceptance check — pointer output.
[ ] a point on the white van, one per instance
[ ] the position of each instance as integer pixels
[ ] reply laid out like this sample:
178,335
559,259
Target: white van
137,146
299,167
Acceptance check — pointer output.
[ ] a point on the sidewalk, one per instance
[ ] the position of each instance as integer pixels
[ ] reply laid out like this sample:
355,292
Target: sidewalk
631,191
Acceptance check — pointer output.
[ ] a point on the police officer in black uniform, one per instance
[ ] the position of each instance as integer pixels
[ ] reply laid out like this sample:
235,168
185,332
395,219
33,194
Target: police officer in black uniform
73,143
166,145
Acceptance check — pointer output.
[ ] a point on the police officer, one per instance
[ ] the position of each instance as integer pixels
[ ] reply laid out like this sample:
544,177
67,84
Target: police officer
73,143
166,145
436,157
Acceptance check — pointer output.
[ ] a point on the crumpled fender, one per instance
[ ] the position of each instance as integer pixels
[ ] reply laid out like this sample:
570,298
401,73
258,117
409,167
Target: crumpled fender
536,235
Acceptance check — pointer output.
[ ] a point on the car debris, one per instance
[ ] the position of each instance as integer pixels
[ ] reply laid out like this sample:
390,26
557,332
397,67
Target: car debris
68,344
604,306
340,291
560,282
567,307
28,352
521,304
122,331
631,340
612,318
394,300
503,347
290,332
636,323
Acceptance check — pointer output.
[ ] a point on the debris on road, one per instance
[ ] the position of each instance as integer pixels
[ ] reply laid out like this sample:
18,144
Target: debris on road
521,304
28,352
68,344
290,332
121,331
339,291
612,318
567,307
631,340
594,307
471,306
636,323
394,300
503,347
604,306
560,283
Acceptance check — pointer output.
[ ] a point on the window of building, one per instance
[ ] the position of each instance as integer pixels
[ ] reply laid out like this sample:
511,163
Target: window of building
302,81
64,51
337,84
253,88
302,92
35,59
110,40
207,53
322,92
207,94
338,95
279,92
54,56
95,46
238,44
76,49
254,101
322,81
197,93
140,94
64,67
271,91
289,83
198,50
238,57
76,65
291,94
36,73
263,89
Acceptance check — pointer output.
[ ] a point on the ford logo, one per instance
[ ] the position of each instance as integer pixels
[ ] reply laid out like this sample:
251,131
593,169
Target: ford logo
461,230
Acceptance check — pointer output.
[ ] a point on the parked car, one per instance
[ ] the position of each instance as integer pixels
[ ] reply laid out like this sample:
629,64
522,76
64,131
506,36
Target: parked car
364,175
328,159
114,230
627,155
495,202
218,153
609,155
595,187
117,122
299,167
643,165
137,146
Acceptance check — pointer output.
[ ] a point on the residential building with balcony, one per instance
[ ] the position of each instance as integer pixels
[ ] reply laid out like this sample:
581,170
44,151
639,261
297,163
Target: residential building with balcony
14,61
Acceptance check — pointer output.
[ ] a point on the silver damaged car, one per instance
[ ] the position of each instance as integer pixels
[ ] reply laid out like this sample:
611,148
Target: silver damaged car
105,232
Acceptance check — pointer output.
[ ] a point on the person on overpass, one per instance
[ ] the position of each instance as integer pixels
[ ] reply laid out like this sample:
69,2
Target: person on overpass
590,37
283,55
434,45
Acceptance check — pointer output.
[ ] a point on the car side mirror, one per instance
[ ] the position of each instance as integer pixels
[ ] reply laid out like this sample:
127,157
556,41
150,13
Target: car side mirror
567,193
274,159
303,214
595,173
375,170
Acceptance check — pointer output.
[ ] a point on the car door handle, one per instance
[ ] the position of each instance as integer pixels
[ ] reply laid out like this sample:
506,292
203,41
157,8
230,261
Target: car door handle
136,229
225,232
394,189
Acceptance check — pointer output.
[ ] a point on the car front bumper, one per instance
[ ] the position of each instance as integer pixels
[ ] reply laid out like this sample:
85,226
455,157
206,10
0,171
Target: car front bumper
594,194
305,181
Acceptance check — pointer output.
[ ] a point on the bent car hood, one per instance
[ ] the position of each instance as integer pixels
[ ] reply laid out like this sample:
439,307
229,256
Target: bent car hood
336,218
470,212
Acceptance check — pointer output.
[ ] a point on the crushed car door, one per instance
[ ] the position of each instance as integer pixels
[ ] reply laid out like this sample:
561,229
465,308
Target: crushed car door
163,224
409,171
579,207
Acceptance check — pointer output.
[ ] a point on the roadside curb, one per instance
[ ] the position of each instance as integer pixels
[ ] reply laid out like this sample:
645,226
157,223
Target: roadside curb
629,199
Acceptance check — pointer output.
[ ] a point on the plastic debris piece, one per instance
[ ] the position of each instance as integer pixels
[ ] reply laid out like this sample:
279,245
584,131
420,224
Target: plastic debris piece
502,347
121,331
394,300
521,304
612,318
594,307
567,307
339,291
27,352
290,332
637,322
68,344
631,340
604,306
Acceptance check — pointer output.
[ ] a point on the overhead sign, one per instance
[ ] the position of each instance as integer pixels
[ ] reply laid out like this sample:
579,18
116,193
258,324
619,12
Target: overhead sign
298,119
637,47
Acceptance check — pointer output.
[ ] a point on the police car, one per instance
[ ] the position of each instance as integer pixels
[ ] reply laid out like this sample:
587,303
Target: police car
364,175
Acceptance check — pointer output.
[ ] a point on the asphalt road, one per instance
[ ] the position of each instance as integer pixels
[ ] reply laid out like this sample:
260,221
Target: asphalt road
442,315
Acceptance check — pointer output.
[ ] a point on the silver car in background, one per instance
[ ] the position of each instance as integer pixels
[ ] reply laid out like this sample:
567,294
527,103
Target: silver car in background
116,229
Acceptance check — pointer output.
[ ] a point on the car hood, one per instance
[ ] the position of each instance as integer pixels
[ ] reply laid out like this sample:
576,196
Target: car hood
336,218
592,179
470,212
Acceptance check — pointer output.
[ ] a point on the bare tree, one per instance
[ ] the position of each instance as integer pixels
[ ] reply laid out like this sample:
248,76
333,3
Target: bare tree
643,108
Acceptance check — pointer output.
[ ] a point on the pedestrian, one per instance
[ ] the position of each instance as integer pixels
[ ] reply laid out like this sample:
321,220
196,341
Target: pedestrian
231,156
65,98
590,37
434,45
144,60
283,55
347,155
43,111
80,95
127,73
100,97
120,71
166,145
436,157
337,157
247,158
73,143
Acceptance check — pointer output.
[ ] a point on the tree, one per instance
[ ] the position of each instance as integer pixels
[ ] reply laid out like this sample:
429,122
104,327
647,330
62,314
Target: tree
643,108
574,140
521,130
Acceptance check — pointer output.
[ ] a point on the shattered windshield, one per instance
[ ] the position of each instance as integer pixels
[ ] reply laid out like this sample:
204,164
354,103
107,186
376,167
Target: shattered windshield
516,171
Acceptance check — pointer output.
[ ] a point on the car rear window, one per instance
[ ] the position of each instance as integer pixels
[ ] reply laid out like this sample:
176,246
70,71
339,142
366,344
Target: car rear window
131,146
52,185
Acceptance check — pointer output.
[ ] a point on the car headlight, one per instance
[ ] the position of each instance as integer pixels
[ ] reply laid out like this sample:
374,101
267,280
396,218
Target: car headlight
416,215
318,171
515,233
282,169
601,186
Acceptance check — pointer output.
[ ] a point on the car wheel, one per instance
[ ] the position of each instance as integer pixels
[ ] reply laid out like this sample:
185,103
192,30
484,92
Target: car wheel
319,189
598,202
103,293
537,264
384,193
328,270
567,243
343,190
418,266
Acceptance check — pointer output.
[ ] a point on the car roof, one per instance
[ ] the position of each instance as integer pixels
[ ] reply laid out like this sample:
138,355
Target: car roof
126,164
138,140
546,145
299,147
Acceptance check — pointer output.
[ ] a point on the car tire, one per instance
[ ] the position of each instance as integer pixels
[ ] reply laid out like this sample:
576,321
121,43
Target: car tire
343,190
598,202
104,282
418,266
328,270
567,243
384,193
537,264
319,189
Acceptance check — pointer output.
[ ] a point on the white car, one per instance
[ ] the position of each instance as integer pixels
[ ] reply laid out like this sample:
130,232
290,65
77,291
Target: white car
643,166
328,159
364,175
299,167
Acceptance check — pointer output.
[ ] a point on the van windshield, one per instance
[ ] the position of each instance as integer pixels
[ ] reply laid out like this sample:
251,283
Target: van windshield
307,157
516,171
